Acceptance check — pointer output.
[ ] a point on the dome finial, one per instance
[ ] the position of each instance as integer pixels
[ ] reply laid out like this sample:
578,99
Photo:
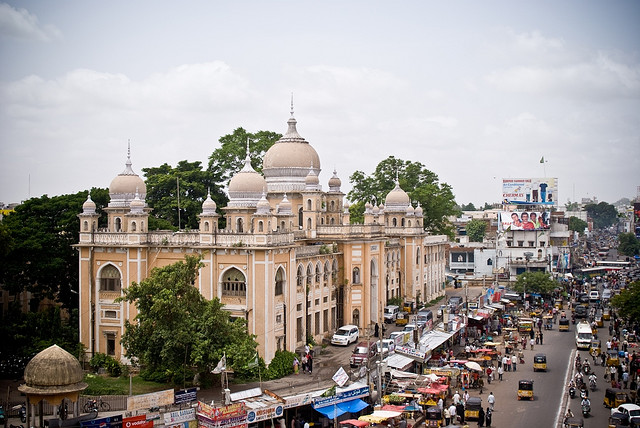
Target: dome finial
291,104
247,157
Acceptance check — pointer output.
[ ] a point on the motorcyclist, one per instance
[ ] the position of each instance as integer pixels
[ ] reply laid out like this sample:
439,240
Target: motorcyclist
586,405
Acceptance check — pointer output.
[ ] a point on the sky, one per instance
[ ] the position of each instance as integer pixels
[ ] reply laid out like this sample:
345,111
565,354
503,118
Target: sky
475,91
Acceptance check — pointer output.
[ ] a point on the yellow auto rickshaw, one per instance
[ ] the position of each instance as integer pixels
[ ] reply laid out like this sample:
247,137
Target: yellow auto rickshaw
525,389
472,408
402,319
595,347
606,314
535,313
540,362
612,358
563,324
559,304
614,397
547,320
433,417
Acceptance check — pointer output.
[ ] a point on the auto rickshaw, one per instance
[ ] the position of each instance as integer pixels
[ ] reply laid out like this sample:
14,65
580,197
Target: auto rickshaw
563,324
402,318
433,417
606,314
472,408
558,303
540,362
525,389
574,422
612,358
596,346
613,397
548,322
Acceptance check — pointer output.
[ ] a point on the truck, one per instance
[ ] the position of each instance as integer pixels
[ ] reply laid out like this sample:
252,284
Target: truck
583,335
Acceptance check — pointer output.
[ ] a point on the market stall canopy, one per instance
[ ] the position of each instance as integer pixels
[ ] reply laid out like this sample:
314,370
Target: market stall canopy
380,416
355,422
473,366
335,410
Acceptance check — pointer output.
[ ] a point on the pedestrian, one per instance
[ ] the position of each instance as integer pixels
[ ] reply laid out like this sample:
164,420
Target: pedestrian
296,365
508,363
531,342
481,417
456,398
460,412
304,364
541,336
489,373
625,379
500,372
514,362
309,362
447,417
465,396
491,399
440,403
488,417
452,413
293,422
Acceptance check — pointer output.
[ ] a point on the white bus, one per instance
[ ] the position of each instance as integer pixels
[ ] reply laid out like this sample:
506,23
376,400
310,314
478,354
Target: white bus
583,335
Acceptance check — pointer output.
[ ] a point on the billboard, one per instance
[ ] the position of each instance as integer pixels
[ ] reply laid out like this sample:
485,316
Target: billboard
524,220
530,191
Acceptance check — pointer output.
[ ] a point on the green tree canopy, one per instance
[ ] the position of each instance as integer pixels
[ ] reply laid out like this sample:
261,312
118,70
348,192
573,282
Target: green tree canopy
468,207
577,225
162,194
476,230
534,282
603,214
421,185
628,244
572,206
37,246
225,161
176,327
626,303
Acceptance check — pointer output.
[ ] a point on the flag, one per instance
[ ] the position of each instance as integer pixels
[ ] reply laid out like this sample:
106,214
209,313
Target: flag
542,159
222,365
254,362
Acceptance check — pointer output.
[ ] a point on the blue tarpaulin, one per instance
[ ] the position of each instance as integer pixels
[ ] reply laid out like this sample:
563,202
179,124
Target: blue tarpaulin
351,406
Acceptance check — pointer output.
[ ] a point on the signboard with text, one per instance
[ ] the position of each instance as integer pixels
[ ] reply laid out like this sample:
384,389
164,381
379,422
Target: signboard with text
530,191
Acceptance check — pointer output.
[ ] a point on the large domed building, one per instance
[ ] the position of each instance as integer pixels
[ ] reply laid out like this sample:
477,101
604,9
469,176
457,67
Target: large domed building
288,260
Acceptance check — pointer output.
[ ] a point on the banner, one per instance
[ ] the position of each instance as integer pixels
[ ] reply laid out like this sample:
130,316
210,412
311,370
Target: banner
265,413
530,191
341,397
137,422
524,220
179,416
185,396
147,401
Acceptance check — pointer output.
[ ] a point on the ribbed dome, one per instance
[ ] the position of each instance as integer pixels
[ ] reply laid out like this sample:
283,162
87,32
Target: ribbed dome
263,206
89,207
209,205
123,188
311,181
286,163
397,198
53,370
419,211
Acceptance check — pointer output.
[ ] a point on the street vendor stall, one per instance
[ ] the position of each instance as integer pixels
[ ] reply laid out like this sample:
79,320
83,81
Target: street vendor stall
355,423
380,416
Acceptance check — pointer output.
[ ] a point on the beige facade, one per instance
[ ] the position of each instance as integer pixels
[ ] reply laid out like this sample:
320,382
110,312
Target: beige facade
289,261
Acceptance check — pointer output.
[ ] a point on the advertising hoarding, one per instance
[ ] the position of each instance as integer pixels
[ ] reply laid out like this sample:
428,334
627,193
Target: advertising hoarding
524,220
530,191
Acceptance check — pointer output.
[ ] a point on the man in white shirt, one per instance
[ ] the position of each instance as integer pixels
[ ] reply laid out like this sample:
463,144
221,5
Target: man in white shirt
491,399
456,398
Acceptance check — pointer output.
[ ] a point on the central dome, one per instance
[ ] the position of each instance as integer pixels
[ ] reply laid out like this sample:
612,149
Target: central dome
286,163
53,370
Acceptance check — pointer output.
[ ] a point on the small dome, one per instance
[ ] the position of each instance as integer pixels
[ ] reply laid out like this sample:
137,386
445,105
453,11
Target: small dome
347,204
397,199
89,207
311,181
137,205
123,188
419,211
209,206
53,371
263,206
376,210
410,210
246,186
285,206
334,182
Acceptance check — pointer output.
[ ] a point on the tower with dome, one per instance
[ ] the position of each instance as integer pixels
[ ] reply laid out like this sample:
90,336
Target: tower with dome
288,260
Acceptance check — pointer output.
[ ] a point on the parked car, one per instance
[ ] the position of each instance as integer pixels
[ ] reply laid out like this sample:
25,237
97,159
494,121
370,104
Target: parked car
363,353
345,335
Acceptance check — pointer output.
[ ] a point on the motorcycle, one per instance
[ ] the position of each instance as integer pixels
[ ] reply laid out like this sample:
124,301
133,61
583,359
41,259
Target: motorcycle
586,409
572,391
22,411
586,368
592,385
583,394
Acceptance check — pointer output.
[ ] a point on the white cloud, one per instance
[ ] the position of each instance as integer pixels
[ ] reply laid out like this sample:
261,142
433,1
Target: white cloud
20,24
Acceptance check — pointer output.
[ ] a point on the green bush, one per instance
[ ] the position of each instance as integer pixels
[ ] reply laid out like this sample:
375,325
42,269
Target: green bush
154,375
107,362
281,365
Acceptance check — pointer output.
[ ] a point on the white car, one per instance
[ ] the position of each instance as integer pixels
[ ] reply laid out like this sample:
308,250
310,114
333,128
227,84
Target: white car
631,410
345,335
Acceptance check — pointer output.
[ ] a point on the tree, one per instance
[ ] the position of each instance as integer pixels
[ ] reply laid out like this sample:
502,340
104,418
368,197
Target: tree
37,246
162,194
603,214
628,244
476,230
572,206
577,225
177,328
468,207
225,161
421,185
534,282
626,303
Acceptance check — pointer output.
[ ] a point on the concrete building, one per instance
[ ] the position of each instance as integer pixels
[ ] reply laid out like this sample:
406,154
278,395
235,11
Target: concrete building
288,261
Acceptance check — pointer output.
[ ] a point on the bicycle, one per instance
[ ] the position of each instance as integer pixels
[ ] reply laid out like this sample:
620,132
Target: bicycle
95,405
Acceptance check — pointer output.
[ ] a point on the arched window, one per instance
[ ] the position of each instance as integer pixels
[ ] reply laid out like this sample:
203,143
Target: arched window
133,226
332,221
418,255
282,229
110,279
409,223
356,275
309,275
308,204
489,262
118,224
394,222
240,225
332,205
356,317
300,277
260,226
300,218
279,282
234,283
402,222
206,226
327,272
85,226
318,272
308,224
142,226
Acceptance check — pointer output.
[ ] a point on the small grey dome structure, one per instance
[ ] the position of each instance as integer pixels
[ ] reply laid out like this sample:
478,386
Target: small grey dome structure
397,199
123,188
89,207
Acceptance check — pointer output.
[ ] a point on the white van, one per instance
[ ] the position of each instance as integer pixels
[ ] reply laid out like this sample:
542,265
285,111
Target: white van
391,313
583,335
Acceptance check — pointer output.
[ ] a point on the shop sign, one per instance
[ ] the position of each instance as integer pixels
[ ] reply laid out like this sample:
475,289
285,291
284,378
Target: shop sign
264,414
410,352
137,422
179,416
341,397
147,401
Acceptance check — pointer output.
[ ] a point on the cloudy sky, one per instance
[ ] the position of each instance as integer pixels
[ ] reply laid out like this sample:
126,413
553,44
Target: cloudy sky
477,91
